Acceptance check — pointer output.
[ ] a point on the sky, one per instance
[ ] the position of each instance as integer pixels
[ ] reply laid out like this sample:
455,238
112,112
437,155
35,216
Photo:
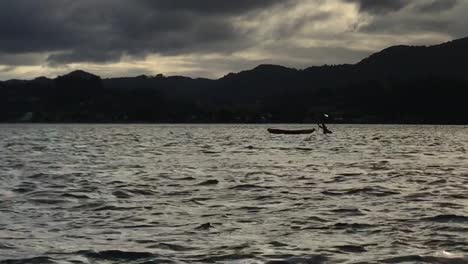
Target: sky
210,38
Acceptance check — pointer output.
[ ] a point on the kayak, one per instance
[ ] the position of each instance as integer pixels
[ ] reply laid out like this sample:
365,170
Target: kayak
291,132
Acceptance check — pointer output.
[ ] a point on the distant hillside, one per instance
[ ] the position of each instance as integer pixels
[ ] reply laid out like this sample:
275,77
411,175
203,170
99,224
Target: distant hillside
400,84
448,60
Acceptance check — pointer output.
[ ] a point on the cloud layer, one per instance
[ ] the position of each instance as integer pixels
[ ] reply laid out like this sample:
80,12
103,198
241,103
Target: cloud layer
211,37
105,30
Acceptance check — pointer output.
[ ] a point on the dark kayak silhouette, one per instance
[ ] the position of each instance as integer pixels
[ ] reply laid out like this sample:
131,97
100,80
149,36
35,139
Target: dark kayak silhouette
291,132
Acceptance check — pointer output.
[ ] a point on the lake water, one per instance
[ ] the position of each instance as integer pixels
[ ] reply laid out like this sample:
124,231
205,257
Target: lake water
232,194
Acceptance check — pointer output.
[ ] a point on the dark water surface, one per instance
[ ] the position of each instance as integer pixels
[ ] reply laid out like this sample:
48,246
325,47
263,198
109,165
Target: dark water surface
232,194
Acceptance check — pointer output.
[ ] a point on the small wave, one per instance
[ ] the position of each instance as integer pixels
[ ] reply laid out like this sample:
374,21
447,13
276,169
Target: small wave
247,187
90,206
117,255
350,174
195,201
210,152
263,197
418,197
348,211
427,259
457,196
332,193
253,173
25,187
313,259
374,191
142,192
114,208
179,193
188,178
228,257
352,249
352,226
6,246
304,149
76,196
13,144
447,218
251,209
205,226
121,194
455,229
36,260
172,247
145,241
208,182
137,226
39,148
278,244
402,259
171,144
437,182
252,147
39,176
316,219
371,191
47,201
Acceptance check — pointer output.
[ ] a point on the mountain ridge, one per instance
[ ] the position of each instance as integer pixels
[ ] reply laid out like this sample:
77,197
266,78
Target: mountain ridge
399,84
463,42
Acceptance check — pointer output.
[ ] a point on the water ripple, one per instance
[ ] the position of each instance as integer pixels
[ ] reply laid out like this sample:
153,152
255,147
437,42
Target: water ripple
73,194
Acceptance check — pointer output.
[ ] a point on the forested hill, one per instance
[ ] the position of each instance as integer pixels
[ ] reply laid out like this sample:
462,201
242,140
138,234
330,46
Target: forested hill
400,84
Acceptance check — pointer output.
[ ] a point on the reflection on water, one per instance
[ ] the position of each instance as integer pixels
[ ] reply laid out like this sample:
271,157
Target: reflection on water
232,194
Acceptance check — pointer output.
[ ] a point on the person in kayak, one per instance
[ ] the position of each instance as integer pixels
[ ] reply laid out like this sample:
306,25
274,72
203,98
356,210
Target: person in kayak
321,124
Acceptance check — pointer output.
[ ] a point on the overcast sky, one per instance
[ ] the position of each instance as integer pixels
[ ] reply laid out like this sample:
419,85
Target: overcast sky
210,38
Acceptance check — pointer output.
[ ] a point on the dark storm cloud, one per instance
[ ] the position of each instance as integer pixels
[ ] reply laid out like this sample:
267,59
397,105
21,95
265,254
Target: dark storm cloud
211,37
106,30
211,6
386,6
408,25
380,6
443,17
21,59
437,6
